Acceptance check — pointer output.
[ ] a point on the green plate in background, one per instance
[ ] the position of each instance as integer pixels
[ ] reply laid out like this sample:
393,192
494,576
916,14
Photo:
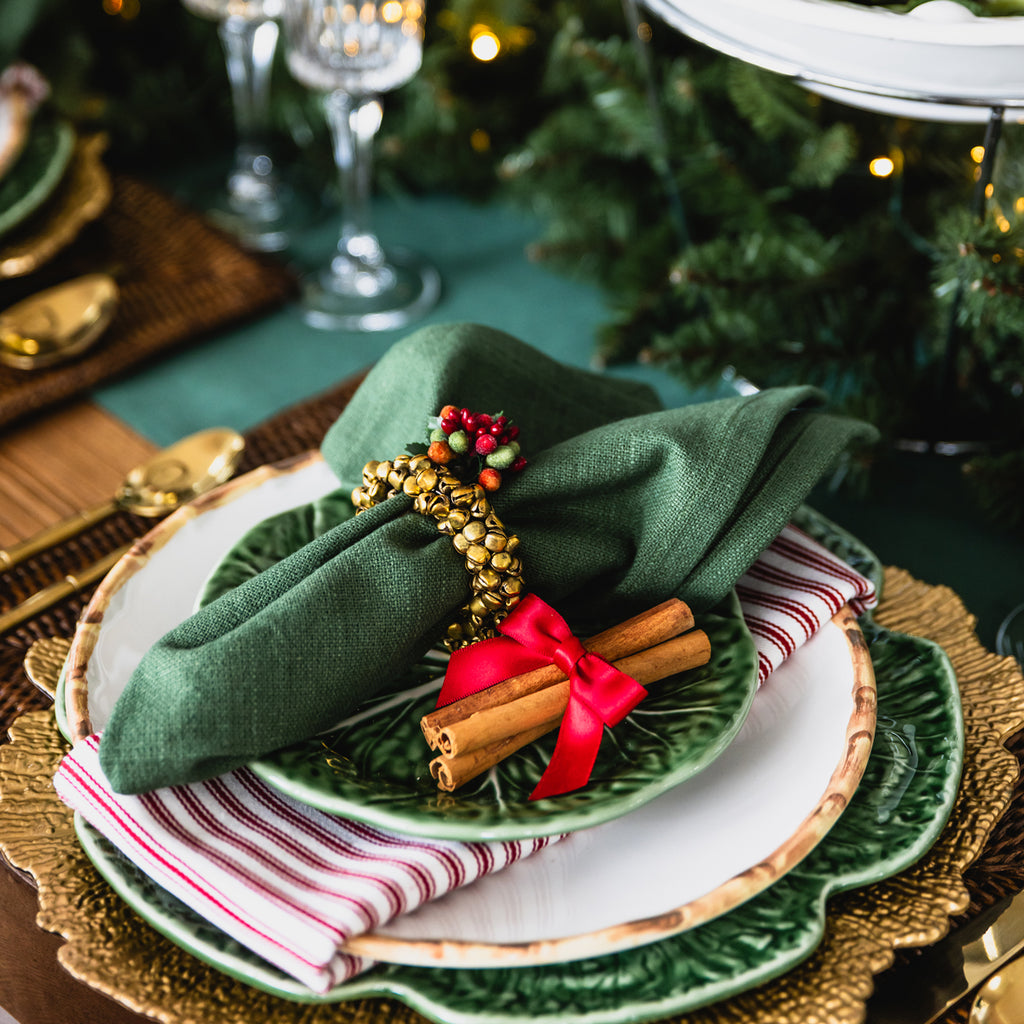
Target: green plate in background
37,172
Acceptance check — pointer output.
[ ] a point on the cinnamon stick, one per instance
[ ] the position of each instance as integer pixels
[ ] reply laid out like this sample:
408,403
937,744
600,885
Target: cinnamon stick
651,627
480,736
452,772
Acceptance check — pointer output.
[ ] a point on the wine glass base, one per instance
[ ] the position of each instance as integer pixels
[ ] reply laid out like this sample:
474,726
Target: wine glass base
257,213
331,303
257,234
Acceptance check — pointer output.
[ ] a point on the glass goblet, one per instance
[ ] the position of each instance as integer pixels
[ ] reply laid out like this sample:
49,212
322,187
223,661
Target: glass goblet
253,207
351,52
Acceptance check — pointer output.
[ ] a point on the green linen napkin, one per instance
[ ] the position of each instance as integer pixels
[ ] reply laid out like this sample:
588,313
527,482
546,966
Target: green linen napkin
623,504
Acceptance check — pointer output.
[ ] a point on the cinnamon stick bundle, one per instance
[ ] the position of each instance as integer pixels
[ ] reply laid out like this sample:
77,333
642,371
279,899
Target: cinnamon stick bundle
662,622
507,728
481,730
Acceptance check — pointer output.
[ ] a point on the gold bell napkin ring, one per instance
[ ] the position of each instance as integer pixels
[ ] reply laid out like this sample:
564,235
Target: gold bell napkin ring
461,443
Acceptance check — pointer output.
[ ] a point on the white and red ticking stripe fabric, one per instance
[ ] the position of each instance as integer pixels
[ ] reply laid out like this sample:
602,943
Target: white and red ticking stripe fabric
293,884
285,880
793,588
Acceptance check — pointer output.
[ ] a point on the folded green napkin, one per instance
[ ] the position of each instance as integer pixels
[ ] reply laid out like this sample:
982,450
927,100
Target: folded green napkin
623,504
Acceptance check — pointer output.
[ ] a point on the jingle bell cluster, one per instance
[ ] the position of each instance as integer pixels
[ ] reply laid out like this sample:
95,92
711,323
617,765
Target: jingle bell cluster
463,512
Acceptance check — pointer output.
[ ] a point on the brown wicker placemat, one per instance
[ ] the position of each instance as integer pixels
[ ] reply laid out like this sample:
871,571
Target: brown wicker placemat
180,280
998,872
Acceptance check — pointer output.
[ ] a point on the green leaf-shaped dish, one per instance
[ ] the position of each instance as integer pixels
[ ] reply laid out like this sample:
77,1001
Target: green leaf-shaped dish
37,172
376,767
904,799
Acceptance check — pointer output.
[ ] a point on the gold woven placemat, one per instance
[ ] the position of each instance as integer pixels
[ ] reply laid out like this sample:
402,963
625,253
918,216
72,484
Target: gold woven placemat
180,278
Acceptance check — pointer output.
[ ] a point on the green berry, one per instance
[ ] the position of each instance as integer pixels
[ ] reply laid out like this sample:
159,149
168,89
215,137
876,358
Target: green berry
501,458
458,441
437,434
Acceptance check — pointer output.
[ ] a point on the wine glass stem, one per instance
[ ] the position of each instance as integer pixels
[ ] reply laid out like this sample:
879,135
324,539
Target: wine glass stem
249,47
353,123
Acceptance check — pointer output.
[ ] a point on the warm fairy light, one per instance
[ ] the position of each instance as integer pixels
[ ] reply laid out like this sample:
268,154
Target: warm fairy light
480,140
1003,223
990,190
997,258
126,9
368,13
484,45
644,33
977,154
392,12
1018,205
881,166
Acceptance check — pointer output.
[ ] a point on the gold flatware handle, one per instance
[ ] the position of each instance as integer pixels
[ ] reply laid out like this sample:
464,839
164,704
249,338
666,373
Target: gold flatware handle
56,534
72,583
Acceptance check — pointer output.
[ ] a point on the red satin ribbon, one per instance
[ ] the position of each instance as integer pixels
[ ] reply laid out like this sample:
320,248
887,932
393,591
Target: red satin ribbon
533,635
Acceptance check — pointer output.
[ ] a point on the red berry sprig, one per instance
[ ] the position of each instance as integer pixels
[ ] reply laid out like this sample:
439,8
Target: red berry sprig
460,437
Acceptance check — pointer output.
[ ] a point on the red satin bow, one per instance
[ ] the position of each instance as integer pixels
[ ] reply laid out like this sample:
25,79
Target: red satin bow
533,635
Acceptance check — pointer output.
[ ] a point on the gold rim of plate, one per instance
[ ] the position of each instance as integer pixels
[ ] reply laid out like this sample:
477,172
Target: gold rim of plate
109,948
81,197
840,788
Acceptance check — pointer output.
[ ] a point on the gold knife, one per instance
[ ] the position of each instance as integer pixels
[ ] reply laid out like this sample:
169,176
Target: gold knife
942,974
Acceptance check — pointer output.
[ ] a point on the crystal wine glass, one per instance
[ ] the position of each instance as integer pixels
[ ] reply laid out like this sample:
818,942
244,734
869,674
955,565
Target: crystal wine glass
352,51
253,207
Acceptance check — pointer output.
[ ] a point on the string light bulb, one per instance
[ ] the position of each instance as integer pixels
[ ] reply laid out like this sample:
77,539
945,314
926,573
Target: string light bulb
882,166
484,43
126,9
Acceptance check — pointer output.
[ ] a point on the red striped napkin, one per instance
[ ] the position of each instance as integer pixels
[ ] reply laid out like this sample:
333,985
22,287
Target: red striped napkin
294,884
793,588
285,880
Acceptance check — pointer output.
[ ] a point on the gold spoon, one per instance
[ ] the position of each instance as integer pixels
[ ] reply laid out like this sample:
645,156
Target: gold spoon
1001,999
58,323
156,487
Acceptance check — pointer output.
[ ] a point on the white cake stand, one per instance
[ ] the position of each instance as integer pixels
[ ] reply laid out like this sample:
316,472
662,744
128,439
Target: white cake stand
939,62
